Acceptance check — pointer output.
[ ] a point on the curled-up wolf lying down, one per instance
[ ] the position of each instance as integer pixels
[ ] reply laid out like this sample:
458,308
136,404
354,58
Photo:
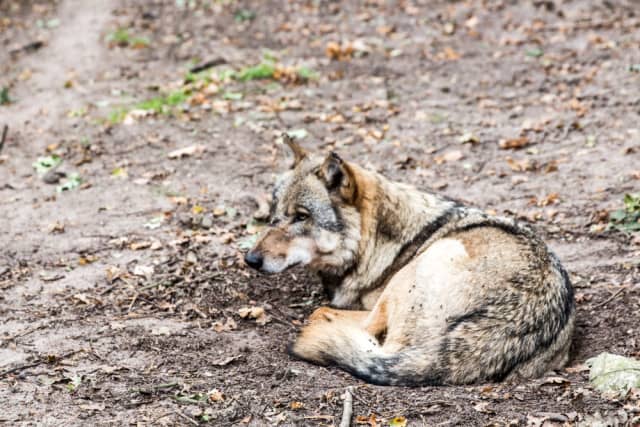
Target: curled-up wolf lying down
425,291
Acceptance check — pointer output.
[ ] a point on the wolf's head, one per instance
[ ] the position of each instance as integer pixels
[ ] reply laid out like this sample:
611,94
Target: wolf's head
313,219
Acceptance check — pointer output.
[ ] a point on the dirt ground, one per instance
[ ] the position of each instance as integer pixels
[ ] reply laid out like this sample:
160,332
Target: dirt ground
120,298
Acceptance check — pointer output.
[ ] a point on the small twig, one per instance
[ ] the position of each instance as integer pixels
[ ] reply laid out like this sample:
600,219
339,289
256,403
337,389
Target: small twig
36,363
5,130
133,301
152,388
347,409
208,64
191,420
608,300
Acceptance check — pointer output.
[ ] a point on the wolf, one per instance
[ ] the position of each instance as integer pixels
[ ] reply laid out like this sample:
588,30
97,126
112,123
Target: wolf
424,290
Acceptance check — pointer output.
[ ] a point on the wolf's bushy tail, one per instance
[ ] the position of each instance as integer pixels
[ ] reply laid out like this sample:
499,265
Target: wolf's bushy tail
354,350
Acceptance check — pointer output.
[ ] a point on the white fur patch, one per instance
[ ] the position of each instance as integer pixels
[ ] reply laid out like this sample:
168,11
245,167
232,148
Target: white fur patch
300,252
444,280
437,264
327,241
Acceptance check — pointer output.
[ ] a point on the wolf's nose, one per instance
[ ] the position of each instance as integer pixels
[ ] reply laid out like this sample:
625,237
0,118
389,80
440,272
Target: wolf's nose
253,259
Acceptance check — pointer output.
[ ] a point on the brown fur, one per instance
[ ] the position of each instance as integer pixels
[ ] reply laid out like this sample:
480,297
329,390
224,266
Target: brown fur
444,293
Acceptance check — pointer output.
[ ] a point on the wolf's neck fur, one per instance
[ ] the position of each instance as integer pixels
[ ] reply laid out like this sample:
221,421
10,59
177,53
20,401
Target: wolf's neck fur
396,219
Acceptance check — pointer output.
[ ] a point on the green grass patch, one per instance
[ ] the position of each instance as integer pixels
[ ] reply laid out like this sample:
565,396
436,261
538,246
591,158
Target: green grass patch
243,15
627,218
160,105
5,99
264,70
121,37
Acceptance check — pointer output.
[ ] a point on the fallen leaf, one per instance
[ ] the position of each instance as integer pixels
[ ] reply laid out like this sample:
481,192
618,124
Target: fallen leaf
514,143
613,374
520,165
215,395
484,408
143,270
137,246
56,228
228,325
87,259
398,422
296,405
251,312
256,313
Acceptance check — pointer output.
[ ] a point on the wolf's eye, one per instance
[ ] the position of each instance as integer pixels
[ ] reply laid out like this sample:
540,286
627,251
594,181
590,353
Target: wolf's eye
300,216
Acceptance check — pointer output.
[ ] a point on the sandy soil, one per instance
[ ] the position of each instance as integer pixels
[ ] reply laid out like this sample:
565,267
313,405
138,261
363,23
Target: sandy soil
120,299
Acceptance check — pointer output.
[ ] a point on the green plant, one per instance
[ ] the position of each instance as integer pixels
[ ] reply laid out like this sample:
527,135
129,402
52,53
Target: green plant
159,105
264,70
122,37
628,218
4,96
44,164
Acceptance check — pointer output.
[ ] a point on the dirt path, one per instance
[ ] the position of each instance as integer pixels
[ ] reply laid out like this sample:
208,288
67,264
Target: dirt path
120,299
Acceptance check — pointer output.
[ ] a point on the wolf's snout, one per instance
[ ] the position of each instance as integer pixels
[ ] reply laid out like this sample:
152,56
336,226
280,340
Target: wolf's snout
254,259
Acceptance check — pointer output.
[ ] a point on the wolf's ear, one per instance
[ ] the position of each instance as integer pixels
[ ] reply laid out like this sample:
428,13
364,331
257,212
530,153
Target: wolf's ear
299,153
338,176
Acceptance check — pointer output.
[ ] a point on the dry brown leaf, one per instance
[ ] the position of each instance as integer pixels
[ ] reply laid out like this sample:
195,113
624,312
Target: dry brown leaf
296,405
215,395
56,228
137,246
514,143
256,313
339,52
551,198
371,420
484,408
228,325
520,165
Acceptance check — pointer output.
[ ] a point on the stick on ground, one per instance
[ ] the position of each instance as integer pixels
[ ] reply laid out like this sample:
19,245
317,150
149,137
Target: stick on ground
347,408
5,130
208,64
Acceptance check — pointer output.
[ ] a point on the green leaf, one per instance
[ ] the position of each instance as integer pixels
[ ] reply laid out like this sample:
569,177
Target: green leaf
233,96
398,422
44,164
4,96
618,215
242,15
534,53
264,70
74,382
632,202
119,173
73,181
307,73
